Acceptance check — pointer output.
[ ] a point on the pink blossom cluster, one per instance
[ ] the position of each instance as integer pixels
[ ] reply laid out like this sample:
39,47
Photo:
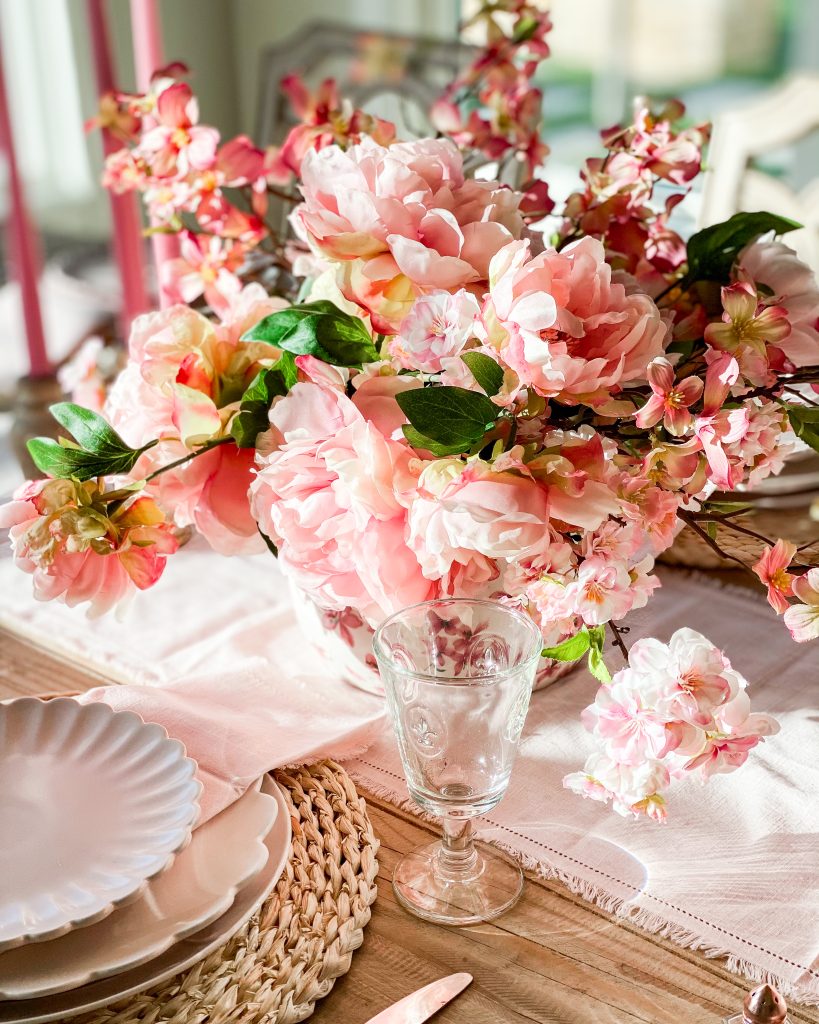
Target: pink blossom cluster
185,172
676,710
506,120
616,204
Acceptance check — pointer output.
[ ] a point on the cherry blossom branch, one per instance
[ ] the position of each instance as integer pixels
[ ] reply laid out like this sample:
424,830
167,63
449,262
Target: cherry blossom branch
617,634
689,519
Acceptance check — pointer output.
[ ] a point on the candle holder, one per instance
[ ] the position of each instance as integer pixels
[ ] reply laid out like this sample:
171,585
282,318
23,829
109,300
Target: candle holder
31,418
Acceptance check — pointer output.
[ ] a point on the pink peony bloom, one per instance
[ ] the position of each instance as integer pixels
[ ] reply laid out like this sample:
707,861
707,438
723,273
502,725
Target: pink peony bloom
182,384
77,551
669,401
404,220
772,569
467,512
178,144
438,328
565,328
375,400
803,619
330,493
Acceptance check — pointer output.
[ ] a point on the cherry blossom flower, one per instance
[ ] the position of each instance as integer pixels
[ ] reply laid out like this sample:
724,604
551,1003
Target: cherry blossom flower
633,790
787,283
748,329
802,619
438,328
116,117
669,401
178,144
772,569
207,265
326,120
675,708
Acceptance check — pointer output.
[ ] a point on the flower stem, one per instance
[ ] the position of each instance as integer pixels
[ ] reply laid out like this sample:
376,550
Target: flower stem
191,455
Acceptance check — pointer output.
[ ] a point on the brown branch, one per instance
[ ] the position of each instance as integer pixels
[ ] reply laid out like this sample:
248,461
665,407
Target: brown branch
618,639
691,522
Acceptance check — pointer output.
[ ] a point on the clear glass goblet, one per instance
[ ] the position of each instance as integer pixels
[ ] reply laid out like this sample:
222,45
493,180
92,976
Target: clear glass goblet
458,675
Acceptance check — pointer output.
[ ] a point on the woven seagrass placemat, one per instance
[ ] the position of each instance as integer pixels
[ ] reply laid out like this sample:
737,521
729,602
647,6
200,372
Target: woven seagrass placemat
292,950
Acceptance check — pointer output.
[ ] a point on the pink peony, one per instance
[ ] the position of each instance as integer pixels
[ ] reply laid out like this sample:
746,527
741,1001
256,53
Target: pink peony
330,493
465,513
182,384
77,550
404,220
565,327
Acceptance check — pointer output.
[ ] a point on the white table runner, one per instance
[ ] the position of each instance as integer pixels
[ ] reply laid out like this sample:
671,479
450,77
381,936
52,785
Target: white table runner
735,872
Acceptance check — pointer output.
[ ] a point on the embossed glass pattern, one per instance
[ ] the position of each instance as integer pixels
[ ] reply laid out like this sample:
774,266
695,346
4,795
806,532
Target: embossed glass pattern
458,675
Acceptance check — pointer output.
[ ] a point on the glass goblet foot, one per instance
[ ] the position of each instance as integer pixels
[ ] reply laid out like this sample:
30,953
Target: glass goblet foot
480,889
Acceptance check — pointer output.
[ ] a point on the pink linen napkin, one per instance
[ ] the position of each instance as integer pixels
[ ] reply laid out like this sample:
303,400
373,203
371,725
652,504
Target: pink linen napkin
240,724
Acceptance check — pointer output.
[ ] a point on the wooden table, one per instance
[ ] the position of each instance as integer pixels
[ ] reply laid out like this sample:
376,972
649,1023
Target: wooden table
553,958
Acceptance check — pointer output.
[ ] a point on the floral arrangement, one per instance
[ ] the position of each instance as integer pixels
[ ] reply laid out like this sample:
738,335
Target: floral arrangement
457,403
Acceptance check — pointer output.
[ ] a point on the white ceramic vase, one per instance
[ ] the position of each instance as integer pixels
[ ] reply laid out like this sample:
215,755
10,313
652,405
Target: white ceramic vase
344,639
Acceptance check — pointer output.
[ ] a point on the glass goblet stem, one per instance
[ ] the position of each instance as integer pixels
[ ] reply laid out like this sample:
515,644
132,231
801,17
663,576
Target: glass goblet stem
458,857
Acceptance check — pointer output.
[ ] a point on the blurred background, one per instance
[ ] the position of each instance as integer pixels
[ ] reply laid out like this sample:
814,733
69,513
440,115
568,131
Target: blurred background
719,56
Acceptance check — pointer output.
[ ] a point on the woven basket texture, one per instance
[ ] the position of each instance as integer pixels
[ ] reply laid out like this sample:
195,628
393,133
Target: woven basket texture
292,950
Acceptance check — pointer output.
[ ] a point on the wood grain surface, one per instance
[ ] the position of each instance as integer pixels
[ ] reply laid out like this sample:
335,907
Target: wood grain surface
553,958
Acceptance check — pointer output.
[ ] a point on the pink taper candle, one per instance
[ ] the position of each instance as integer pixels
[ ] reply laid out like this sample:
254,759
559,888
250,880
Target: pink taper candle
24,246
128,245
147,59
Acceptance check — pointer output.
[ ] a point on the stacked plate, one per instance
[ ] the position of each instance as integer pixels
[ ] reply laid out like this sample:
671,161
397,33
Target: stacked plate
106,888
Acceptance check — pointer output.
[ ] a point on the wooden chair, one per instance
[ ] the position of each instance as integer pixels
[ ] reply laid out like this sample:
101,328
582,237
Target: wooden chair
773,129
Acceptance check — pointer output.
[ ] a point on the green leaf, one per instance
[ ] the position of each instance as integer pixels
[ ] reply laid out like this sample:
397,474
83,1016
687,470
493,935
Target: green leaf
524,30
97,450
454,418
268,383
271,547
88,428
422,443
805,424
597,665
712,251
317,329
569,650
485,371
54,459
